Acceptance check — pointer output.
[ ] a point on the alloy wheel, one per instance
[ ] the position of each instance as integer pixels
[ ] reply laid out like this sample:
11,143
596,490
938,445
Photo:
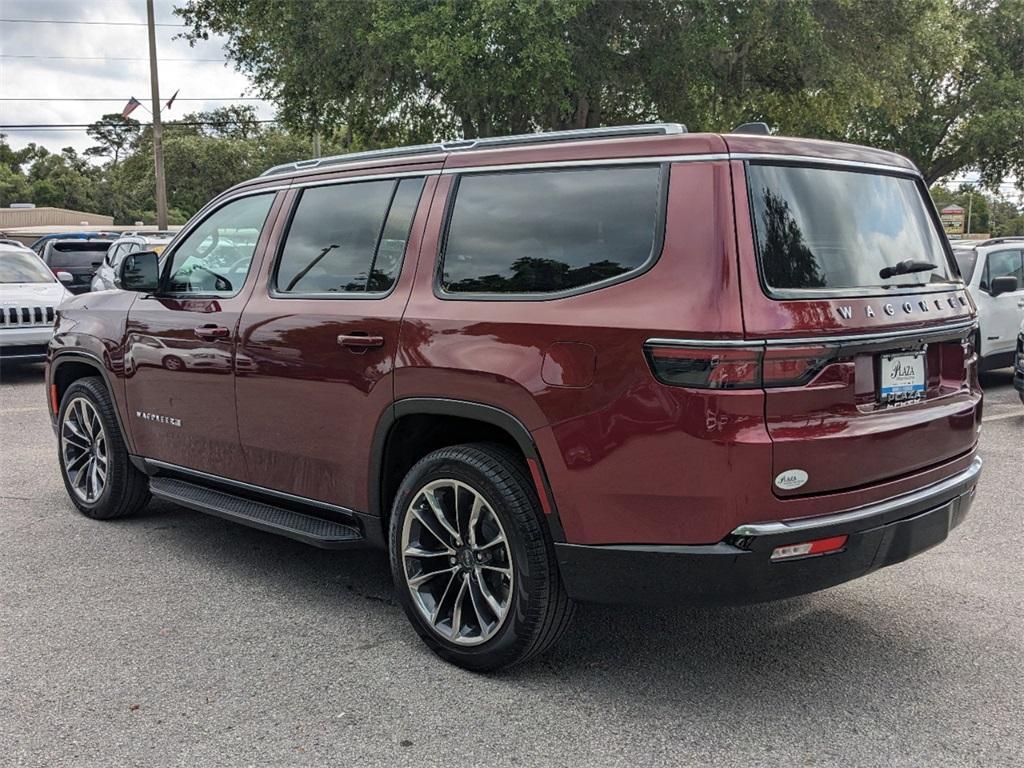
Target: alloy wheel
83,445
457,562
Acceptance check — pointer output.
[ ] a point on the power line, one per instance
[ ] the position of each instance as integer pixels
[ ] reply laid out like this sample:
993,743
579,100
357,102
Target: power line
82,126
87,23
99,58
122,98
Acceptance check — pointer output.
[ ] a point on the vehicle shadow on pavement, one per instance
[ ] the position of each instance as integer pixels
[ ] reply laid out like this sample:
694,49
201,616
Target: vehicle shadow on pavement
742,659
21,373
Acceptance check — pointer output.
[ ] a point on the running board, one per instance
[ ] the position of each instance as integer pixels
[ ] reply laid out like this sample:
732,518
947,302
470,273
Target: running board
326,534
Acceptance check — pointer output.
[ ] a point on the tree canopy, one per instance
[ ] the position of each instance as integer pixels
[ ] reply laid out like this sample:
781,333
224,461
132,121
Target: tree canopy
941,81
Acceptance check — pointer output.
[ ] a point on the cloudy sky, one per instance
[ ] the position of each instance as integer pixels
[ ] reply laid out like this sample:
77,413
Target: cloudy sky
35,64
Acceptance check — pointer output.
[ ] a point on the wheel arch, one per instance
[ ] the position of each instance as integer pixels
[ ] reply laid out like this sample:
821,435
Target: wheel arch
65,368
463,421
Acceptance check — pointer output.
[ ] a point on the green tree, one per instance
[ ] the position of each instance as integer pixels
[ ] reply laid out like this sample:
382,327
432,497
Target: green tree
939,80
960,101
63,180
113,135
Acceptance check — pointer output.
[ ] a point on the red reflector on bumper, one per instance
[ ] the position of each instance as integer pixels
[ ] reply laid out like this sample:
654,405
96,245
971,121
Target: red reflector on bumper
810,548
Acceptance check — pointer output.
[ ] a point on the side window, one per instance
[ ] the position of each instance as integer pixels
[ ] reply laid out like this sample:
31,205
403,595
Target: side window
542,232
348,238
114,254
215,257
1003,264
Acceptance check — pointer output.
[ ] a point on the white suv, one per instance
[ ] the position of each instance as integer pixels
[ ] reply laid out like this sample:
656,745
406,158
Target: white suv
1000,311
129,242
30,295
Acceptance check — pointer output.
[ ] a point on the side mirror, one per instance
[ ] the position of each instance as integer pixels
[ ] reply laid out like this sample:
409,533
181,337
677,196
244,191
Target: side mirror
140,272
1001,285
65,277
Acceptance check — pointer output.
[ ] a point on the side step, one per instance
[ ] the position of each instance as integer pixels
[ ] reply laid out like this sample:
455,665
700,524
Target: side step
326,534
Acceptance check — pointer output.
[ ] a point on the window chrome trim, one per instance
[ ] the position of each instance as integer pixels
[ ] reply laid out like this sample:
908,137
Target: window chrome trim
935,330
960,483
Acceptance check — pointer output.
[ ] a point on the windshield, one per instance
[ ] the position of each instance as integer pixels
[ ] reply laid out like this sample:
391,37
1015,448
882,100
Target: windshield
819,228
22,268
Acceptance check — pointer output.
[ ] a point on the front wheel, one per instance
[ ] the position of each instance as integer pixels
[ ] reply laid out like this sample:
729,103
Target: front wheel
98,474
472,559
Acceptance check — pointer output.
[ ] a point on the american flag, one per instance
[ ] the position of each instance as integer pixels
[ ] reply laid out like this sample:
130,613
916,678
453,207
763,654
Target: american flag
131,106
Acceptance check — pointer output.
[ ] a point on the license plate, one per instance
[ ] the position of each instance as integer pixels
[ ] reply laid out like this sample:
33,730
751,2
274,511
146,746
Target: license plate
901,377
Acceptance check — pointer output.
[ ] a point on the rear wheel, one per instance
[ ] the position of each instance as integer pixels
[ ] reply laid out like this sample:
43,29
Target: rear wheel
99,477
472,560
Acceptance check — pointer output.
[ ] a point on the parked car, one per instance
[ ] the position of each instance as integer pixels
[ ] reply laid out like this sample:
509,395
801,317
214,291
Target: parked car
40,245
1018,364
994,272
618,365
129,242
80,258
30,295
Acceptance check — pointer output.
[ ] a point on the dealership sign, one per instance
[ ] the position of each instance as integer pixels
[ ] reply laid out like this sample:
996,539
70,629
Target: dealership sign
952,217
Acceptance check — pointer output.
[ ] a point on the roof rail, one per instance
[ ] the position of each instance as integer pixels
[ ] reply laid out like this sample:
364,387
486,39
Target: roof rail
1002,239
492,142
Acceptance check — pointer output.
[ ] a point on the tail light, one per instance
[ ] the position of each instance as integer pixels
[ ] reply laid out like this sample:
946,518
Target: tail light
737,366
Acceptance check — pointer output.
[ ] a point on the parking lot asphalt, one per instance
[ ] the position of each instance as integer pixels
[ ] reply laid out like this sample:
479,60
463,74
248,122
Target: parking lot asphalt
178,639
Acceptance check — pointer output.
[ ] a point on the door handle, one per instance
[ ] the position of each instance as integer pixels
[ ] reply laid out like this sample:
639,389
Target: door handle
360,341
212,332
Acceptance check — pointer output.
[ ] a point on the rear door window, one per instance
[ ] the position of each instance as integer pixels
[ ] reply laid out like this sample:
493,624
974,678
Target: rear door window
348,238
830,229
551,232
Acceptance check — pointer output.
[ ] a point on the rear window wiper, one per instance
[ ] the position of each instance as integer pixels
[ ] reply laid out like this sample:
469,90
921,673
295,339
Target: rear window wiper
906,267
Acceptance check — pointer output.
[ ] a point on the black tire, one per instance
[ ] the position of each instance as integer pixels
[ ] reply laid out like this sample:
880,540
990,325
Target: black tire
125,489
1021,394
539,608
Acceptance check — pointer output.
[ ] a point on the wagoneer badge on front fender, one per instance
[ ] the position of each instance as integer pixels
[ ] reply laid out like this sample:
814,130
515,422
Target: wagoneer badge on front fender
791,479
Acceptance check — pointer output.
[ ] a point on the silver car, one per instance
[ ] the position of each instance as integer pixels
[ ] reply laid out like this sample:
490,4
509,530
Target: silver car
129,242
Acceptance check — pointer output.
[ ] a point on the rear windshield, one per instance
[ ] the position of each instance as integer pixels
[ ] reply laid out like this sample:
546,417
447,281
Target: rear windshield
966,261
819,228
22,268
76,254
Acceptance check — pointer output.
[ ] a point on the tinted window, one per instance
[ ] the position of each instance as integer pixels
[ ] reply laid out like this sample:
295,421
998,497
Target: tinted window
966,261
16,267
1003,264
826,228
548,231
76,254
348,238
216,256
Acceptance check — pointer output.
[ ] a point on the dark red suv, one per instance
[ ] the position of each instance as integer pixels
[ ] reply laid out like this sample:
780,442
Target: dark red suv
622,364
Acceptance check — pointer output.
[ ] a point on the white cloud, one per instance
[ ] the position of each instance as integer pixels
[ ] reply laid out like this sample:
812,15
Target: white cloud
37,78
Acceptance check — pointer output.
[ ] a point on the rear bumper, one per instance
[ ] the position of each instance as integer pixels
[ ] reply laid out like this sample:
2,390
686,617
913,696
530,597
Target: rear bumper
739,569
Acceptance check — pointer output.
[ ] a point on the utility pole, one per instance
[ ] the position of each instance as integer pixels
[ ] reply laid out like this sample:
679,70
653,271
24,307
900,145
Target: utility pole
158,129
970,207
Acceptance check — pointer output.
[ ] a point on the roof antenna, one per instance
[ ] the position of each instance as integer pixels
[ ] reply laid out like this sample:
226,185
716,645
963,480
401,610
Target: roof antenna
758,129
